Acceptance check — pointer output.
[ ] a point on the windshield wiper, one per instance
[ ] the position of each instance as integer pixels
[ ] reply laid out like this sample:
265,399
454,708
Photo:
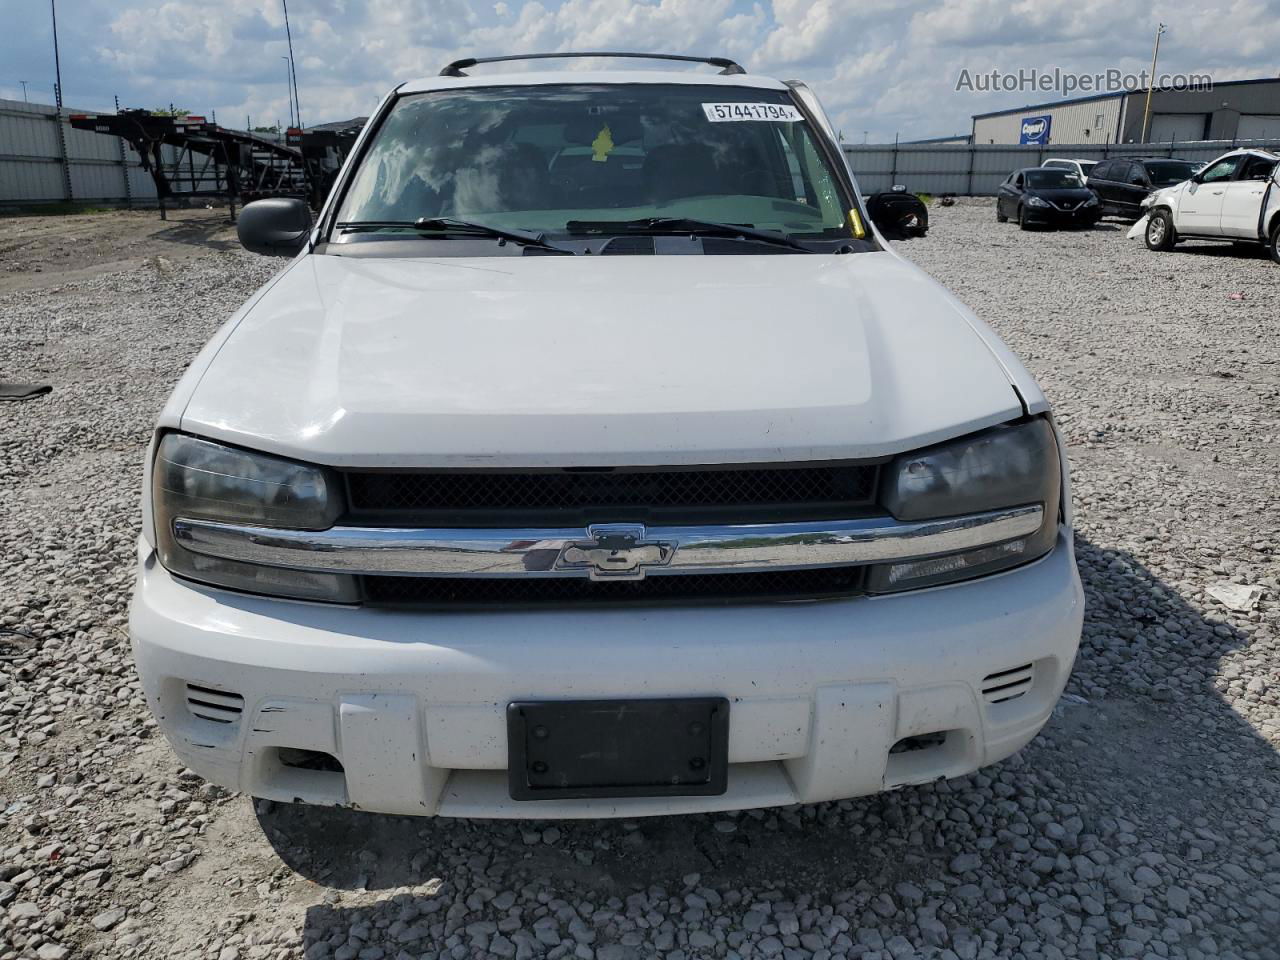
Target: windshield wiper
444,226
689,225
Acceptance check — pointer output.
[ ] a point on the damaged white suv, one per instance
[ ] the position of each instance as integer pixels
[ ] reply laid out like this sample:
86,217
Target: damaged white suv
1234,198
596,456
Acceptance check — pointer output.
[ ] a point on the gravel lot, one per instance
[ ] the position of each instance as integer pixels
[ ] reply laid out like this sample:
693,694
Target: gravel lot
1142,823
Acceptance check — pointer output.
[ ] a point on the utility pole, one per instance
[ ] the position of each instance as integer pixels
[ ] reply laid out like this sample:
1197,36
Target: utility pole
57,99
57,63
24,91
293,70
1151,81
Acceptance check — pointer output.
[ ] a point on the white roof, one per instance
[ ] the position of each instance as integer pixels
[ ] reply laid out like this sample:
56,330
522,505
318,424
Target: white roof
542,77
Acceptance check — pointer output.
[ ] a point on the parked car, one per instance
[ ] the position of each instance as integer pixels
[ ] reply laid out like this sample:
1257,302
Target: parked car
1122,184
496,500
1050,196
1080,168
1235,198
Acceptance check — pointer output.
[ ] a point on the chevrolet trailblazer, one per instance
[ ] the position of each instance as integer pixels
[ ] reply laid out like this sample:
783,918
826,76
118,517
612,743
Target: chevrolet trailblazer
595,455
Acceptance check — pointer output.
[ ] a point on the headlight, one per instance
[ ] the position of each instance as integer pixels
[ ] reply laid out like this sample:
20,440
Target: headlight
1008,466
1091,202
1036,202
201,480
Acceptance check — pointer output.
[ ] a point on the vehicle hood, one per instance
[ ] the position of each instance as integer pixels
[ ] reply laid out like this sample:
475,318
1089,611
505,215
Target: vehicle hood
553,361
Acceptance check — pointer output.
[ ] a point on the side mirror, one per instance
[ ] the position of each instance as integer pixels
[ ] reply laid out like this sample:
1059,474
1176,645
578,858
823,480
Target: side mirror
898,215
275,227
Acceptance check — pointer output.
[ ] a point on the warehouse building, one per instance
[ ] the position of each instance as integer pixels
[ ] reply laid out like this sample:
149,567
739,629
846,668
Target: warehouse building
1233,110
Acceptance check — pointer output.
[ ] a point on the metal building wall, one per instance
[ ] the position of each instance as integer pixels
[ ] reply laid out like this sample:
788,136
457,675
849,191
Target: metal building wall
34,168
1086,121
978,169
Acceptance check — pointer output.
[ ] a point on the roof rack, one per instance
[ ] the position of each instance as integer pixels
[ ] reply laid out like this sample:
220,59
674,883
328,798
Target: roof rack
455,68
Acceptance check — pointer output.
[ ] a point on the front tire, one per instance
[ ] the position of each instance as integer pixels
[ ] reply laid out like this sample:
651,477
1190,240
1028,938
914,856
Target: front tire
1160,234
1001,217
1273,245
1022,219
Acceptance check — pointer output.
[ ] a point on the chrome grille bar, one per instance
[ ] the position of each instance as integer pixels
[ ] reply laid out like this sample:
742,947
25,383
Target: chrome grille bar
569,552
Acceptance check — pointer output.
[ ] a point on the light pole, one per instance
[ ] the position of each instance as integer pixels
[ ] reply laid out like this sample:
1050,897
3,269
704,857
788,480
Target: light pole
288,89
24,91
293,70
1151,81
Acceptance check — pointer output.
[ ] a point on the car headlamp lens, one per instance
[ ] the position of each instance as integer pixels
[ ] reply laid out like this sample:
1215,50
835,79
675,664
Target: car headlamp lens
1091,202
199,479
1008,466
1036,202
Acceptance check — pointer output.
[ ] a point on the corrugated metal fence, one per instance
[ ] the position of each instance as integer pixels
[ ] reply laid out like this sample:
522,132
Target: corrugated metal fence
978,169
43,159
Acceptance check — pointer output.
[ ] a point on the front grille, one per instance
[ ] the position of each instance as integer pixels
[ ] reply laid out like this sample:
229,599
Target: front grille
481,592
572,497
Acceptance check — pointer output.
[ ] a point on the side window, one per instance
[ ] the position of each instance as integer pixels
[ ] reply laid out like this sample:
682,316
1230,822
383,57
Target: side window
1102,171
1257,168
1017,181
1137,174
1222,170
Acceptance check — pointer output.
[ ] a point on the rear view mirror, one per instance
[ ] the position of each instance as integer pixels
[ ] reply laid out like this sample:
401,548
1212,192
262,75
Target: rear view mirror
898,215
276,227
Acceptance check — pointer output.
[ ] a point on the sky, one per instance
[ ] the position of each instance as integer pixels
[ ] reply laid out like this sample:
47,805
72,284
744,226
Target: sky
883,68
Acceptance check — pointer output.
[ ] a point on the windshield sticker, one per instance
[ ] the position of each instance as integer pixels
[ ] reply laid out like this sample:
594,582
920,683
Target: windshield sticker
602,145
730,112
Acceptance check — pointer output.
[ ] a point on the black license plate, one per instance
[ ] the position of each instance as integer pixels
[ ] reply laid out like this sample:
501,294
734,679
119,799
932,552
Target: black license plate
618,748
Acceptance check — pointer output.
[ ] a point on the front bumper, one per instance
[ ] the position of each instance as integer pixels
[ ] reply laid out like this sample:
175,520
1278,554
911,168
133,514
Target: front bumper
1081,216
413,704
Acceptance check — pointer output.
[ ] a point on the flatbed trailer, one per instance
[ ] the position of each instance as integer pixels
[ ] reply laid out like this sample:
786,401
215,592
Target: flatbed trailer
209,160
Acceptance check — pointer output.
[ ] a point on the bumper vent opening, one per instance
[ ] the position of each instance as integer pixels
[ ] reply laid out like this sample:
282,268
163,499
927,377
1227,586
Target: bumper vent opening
486,593
309,760
924,741
1008,684
217,706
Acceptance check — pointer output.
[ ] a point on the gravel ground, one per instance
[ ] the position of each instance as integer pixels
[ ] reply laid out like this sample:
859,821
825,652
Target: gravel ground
1142,823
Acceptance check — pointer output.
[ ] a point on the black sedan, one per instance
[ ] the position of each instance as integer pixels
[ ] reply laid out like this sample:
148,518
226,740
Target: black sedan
1046,195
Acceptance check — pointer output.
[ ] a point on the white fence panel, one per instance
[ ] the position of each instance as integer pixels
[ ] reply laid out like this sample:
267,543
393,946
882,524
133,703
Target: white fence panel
100,168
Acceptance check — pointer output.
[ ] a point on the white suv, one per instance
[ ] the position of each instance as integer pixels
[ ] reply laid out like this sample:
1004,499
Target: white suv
1080,168
595,456
1235,198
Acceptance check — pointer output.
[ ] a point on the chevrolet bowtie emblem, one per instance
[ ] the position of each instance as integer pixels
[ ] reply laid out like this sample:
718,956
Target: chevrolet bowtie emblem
615,551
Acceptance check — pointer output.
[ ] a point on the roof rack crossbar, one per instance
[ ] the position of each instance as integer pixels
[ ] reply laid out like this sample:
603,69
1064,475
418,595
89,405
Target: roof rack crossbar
726,65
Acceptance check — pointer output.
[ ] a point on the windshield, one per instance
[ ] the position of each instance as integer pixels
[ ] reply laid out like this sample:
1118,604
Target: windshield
1050,179
549,158
1165,173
